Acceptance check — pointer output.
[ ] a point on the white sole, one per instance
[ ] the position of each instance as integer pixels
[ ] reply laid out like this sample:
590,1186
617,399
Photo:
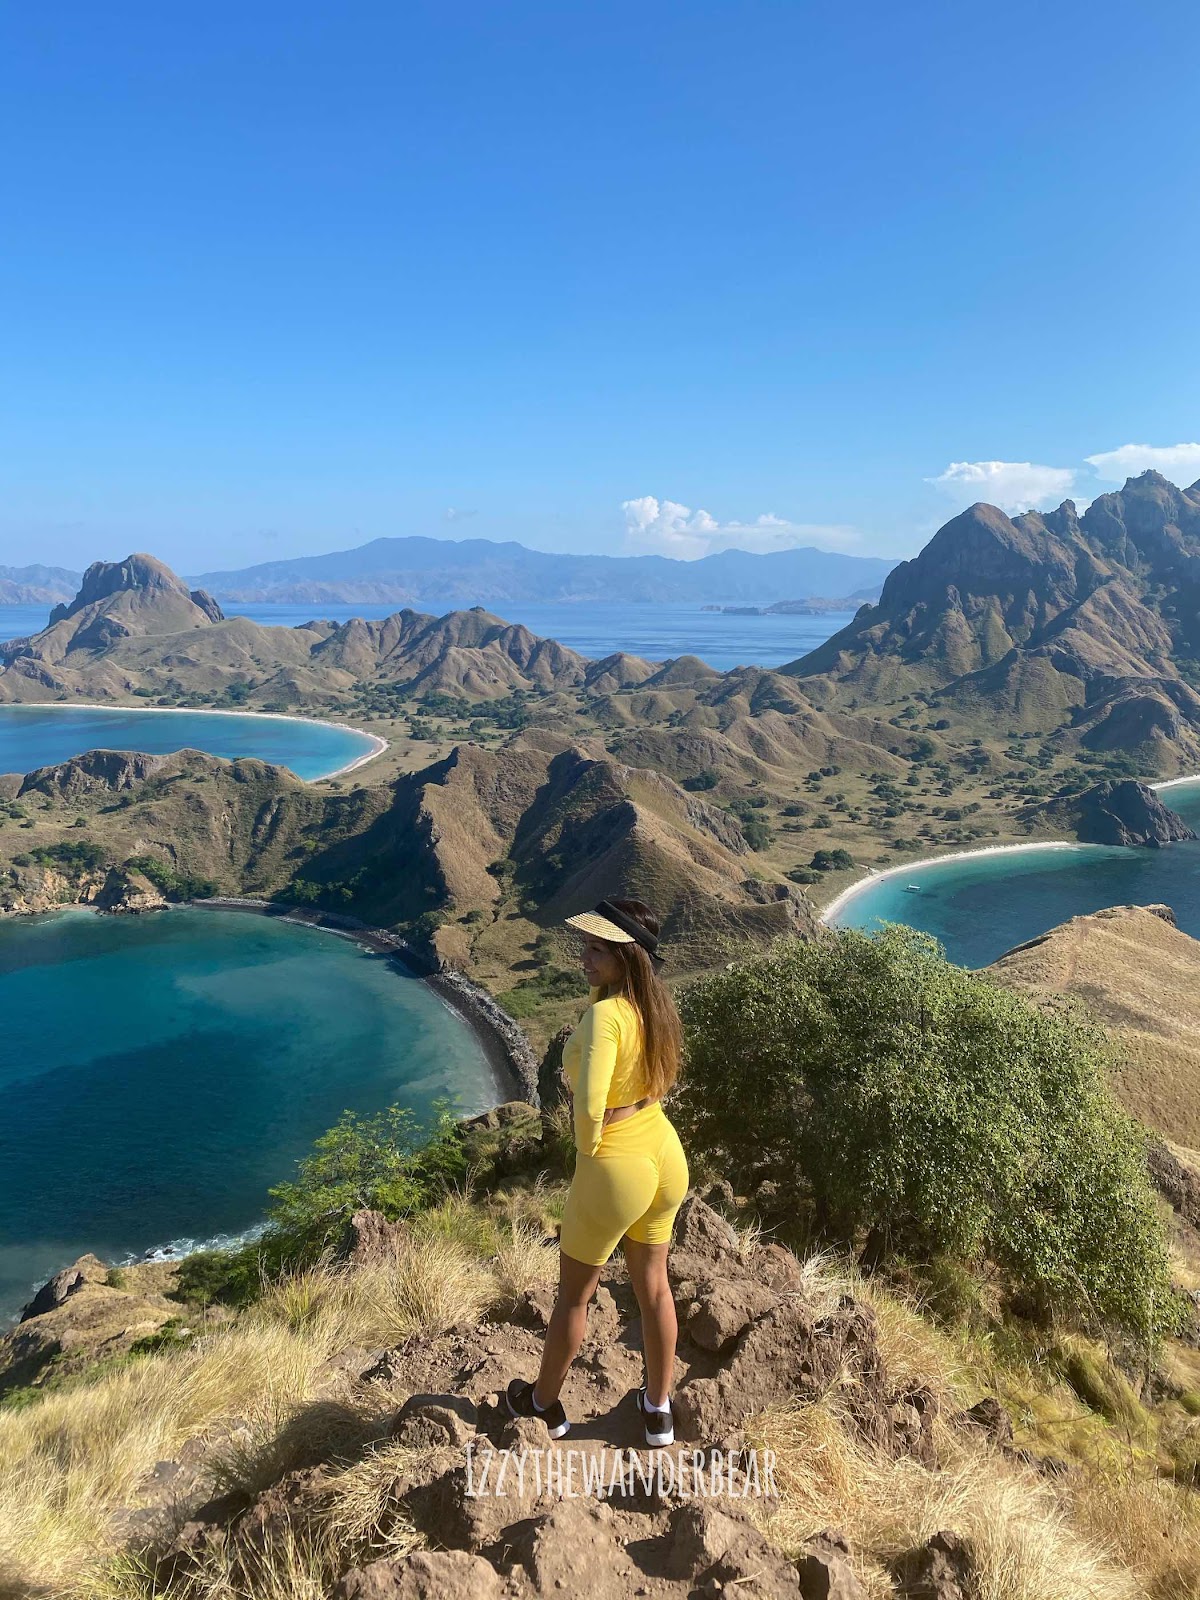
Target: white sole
555,1433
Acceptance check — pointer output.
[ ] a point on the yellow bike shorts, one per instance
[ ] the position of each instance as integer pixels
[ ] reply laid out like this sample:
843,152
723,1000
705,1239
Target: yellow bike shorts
631,1188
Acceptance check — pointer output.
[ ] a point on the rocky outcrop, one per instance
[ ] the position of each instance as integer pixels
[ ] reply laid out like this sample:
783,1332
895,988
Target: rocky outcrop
88,1269
752,1335
79,1317
1113,812
125,889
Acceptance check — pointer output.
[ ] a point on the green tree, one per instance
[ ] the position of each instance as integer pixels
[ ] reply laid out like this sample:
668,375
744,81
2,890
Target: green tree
924,1109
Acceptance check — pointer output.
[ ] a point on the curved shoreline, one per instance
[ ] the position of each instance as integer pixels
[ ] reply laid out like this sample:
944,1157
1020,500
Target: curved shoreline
379,744
507,1051
855,889
842,900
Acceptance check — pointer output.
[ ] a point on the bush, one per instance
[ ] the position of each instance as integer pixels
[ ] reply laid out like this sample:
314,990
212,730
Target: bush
386,1162
81,856
170,882
757,833
907,1099
831,860
708,779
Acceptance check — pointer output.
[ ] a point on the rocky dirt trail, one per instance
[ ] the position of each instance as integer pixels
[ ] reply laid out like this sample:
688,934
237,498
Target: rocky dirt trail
476,1504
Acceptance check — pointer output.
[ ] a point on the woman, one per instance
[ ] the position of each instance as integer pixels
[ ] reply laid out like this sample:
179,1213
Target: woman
631,1174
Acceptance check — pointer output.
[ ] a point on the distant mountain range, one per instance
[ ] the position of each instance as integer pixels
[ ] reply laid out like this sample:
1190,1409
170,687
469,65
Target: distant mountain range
466,572
31,586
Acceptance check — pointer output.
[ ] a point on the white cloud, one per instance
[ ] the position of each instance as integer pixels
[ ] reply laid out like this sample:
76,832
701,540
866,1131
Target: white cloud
664,527
1179,462
1011,485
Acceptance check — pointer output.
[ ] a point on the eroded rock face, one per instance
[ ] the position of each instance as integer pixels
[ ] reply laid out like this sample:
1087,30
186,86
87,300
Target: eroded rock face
128,890
74,1320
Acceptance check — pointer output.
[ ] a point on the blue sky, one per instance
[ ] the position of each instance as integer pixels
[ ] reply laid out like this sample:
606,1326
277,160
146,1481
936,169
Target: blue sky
279,279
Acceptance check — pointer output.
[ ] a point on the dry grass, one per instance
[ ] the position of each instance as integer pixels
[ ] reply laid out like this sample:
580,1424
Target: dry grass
1024,1547
1111,1532
67,1462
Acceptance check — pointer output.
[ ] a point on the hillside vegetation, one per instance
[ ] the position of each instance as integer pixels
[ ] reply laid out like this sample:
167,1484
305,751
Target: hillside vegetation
300,1428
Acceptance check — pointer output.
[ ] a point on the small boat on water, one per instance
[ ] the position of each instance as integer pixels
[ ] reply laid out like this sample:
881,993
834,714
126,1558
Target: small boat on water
912,888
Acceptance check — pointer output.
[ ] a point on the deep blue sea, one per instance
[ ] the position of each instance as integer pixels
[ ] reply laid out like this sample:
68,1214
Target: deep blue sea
160,1072
981,906
39,736
656,632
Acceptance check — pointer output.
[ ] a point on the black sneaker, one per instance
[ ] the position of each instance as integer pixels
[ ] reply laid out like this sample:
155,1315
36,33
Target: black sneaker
660,1425
519,1399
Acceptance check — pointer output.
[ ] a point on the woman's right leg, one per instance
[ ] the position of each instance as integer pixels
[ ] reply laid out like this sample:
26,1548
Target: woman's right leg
577,1282
660,1328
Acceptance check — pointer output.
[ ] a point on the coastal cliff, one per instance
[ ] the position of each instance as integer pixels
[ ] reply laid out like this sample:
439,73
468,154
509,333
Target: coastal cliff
1123,812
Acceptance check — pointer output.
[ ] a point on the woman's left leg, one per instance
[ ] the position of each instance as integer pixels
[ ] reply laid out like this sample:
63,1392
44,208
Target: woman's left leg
577,1282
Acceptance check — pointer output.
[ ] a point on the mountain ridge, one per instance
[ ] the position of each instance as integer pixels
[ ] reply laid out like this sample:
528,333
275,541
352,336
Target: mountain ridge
422,570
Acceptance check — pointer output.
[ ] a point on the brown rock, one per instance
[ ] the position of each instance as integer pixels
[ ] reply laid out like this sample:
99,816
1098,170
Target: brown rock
88,1269
941,1569
710,1543
423,1575
825,1569
723,1309
575,1550
374,1240
432,1420
789,1352
988,1416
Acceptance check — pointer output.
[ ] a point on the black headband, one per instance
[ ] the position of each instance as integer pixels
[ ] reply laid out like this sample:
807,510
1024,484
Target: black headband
631,926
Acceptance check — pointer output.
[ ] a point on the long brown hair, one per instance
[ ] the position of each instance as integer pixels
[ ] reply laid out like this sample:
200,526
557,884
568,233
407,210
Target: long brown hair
662,1034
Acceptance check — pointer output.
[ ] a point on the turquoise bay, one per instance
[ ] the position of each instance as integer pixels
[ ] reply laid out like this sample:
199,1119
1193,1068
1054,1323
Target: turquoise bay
980,905
40,736
159,1073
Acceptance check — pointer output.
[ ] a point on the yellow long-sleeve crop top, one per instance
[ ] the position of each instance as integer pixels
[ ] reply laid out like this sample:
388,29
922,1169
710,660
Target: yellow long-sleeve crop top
604,1064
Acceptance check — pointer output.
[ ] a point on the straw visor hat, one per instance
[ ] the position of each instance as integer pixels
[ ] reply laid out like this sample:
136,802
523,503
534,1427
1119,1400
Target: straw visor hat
607,922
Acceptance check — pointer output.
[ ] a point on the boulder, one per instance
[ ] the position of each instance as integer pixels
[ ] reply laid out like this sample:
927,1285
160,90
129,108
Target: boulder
127,889
423,1575
941,1569
373,1240
724,1308
988,1417
429,1421
789,1352
717,1546
88,1269
825,1570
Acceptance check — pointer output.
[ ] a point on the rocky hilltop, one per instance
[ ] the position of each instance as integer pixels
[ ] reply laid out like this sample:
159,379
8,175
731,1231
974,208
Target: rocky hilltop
1052,618
1113,812
451,854
136,628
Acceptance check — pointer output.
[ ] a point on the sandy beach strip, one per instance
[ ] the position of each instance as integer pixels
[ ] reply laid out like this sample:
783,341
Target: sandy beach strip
862,884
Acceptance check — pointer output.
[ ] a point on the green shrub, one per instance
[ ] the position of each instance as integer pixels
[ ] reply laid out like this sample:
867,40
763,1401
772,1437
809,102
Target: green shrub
172,883
81,855
831,860
386,1162
909,1100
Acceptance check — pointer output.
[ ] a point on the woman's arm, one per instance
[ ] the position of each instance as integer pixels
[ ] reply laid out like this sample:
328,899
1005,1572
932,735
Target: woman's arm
599,1037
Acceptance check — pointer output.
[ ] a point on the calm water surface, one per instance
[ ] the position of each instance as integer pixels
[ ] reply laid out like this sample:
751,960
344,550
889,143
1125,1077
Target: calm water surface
159,1073
981,907
39,736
